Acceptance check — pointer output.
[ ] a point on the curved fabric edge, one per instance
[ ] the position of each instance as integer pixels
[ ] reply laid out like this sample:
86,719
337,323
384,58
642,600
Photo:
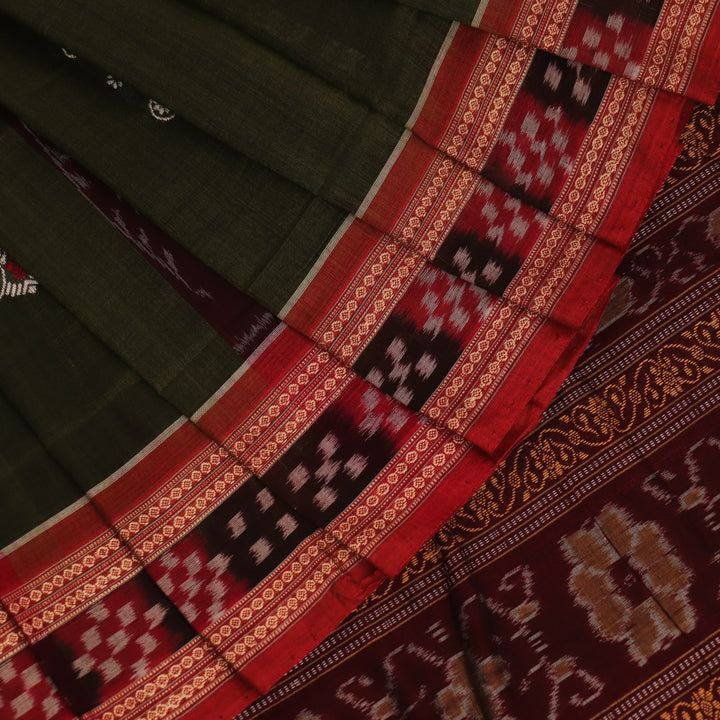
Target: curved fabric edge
438,501
686,33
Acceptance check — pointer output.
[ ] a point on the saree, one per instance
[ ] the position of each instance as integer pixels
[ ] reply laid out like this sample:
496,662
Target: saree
278,306
605,517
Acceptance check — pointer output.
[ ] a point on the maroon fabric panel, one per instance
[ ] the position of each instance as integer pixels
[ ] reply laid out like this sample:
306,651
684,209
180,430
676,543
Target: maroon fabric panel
236,317
583,579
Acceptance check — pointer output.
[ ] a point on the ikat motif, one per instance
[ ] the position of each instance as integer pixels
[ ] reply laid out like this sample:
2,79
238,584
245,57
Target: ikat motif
228,553
491,238
113,643
611,34
422,339
26,692
347,446
634,588
548,120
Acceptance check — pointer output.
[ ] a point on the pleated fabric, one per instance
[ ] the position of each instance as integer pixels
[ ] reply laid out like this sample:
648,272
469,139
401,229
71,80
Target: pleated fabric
580,581
281,287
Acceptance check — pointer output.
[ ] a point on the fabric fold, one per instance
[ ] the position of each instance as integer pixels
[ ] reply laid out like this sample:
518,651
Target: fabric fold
511,554
304,136
660,44
266,361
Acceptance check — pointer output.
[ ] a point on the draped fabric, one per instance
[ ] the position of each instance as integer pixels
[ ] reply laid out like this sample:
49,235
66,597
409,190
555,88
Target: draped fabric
282,286
582,579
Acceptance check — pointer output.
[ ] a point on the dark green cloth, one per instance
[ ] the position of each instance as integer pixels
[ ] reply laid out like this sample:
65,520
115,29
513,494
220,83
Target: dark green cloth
67,402
377,52
280,129
33,487
228,85
459,10
99,277
236,215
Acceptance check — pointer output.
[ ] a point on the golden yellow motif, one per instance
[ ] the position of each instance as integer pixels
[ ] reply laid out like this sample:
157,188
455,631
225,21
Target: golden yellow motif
207,672
427,240
700,144
502,101
591,424
703,704
568,204
659,46
561,18
37,606
528,19
681,66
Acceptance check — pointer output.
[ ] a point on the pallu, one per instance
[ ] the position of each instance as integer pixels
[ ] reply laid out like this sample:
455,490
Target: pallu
281,286
581,580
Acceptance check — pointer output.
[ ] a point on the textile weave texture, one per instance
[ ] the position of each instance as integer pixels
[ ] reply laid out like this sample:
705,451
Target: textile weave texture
581,580
277,314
